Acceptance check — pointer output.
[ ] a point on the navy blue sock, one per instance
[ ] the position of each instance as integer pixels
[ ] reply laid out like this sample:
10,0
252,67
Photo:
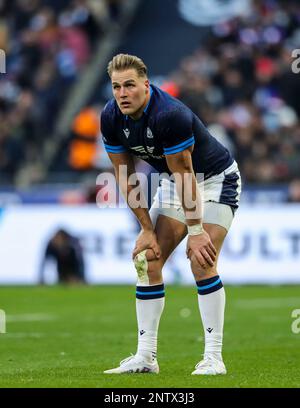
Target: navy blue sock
150,292
209,285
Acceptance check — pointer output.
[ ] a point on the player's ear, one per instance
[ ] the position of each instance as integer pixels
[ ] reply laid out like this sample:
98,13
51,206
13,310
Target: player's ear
147,85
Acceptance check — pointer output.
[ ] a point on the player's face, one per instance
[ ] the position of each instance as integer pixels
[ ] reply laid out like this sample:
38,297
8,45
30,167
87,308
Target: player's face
131,92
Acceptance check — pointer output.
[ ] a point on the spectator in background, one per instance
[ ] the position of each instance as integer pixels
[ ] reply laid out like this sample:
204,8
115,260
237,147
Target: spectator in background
67,251
244,89
47,44
114,9
83,146
294,191
10,147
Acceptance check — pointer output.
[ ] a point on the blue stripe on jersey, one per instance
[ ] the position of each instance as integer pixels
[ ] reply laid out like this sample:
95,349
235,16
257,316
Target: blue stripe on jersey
178,148
166,149
114,149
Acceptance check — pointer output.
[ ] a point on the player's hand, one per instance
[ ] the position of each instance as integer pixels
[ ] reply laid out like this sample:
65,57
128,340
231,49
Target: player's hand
202,248
146,240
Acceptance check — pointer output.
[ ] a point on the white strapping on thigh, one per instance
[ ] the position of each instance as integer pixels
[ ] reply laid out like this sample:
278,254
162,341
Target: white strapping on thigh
217,213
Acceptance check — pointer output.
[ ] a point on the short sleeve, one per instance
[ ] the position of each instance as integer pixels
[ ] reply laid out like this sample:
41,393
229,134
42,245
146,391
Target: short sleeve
109,136
177,131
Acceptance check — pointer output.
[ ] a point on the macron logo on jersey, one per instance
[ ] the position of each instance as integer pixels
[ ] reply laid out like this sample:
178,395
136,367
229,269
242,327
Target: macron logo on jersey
126,132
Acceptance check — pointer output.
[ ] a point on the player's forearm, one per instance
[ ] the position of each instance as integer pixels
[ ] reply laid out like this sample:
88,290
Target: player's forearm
188,191
143,217
135,198
190,196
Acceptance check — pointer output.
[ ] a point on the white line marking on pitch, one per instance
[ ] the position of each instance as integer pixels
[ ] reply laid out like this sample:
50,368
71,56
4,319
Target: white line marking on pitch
258,303
30,317
25,335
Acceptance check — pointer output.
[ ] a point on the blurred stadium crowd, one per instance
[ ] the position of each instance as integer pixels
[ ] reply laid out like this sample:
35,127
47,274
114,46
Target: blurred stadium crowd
47,44
242,85
240,82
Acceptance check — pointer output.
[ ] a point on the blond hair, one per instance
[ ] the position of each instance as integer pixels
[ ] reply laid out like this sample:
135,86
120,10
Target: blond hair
121,62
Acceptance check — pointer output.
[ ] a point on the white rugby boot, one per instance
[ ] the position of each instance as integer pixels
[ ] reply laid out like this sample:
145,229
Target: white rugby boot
135,364
209,366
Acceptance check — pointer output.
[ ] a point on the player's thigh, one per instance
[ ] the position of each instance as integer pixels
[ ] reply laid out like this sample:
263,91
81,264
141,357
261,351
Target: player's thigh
169,232
217,220
217,235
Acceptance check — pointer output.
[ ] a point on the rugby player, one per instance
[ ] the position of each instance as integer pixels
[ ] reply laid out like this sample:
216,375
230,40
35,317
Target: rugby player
143,121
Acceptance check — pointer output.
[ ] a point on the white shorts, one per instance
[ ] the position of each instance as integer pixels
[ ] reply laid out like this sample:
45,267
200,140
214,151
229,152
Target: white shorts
221,195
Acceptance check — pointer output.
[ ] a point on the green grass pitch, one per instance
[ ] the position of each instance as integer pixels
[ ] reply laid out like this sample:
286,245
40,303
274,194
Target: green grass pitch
66,336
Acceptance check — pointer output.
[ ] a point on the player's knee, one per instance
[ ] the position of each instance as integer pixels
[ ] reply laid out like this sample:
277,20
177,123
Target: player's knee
148,267
201,272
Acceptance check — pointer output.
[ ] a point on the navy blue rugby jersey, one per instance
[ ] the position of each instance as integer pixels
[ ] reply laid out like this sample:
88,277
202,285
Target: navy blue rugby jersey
166,127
